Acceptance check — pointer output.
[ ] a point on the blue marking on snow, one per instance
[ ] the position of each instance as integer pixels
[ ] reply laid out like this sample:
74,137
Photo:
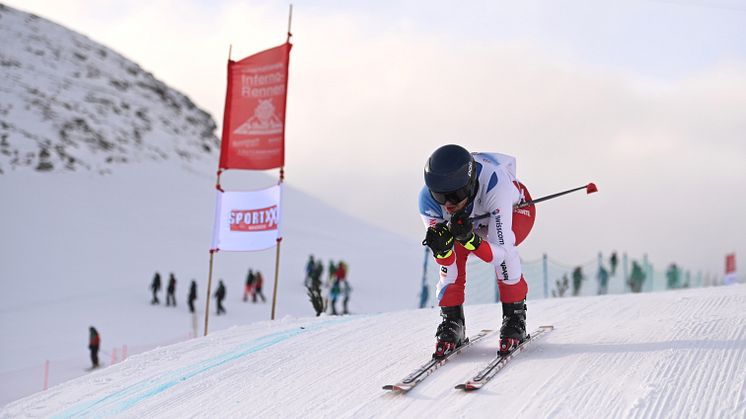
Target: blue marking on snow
122,400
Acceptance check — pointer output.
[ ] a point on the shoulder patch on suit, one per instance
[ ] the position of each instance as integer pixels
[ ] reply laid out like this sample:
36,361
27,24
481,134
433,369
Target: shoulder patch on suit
493,182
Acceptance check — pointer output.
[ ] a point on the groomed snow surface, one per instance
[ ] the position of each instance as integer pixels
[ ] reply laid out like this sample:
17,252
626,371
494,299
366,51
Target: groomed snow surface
670,354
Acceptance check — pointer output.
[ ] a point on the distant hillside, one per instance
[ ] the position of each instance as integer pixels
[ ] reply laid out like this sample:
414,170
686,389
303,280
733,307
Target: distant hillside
69,103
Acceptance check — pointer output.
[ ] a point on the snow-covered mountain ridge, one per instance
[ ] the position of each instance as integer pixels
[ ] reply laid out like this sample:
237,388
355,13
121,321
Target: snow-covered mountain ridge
70,103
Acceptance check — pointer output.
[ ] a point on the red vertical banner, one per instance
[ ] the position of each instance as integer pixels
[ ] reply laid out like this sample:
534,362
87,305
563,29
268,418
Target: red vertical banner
254,116
730,263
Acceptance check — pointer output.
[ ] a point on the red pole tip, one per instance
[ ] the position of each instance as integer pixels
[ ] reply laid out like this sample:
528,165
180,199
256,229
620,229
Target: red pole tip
591,187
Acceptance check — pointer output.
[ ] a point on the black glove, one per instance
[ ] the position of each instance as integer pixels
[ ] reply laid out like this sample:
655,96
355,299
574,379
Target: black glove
463,231
440,240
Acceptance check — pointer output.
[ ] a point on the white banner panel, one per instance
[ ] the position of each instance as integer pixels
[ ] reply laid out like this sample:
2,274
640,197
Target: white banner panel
247,221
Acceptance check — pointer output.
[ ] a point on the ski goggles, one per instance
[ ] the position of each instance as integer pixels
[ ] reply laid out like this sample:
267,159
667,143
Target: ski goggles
453,197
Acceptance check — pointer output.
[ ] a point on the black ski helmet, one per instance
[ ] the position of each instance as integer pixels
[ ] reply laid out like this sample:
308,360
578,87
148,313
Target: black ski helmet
450,174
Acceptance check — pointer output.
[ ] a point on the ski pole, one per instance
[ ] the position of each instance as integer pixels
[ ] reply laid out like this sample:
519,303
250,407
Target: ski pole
589,189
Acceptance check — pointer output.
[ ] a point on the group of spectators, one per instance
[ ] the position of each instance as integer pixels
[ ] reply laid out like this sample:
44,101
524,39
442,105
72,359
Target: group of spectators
635,280
325,293
253,289
155,287
603,275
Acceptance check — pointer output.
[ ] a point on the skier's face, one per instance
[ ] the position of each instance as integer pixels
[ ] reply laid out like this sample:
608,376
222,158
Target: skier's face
452,208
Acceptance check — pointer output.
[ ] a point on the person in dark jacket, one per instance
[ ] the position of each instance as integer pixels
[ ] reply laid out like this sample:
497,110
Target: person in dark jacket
603,280
220,296
171,291
613,261
310,266
636,277
155,286
249,287
258,284
192,295
577,280
94,341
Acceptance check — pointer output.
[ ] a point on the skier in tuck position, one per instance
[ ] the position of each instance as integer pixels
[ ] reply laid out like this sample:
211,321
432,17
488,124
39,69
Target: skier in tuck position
467,207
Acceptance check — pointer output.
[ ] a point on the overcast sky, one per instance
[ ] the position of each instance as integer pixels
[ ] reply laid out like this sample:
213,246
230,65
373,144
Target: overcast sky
645,98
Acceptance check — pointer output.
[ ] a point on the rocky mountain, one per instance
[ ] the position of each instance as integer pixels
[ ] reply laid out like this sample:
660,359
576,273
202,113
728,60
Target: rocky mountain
70,103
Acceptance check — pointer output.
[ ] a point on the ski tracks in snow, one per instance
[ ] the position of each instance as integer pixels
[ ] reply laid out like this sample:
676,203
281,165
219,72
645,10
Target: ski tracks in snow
706,354
663,355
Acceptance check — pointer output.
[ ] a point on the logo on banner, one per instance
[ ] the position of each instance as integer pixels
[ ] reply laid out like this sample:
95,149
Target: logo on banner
264,219
264,122
522,211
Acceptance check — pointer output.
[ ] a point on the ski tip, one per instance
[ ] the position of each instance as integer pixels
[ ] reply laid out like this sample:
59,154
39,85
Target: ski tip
548,327
468,387
395,388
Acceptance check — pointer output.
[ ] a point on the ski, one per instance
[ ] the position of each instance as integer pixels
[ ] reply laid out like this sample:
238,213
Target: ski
419,374
497,363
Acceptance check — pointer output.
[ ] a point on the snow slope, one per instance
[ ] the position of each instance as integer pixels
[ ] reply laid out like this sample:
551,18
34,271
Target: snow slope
674,354
80,249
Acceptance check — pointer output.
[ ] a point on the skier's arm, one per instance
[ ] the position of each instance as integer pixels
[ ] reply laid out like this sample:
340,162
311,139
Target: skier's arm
437,236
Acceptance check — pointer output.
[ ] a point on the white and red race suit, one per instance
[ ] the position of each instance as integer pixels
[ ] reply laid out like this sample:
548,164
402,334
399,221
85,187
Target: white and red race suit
497,193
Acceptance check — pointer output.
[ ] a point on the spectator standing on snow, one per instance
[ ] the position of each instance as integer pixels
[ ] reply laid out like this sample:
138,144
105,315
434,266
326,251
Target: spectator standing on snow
346,290
337,286
673,277
333,295
318,270
613,260
330,279
561,286
94,341
171,291
192,295
220,296
310,266
577,280
332,271
155,286
258,284
248,289
603,281
636,277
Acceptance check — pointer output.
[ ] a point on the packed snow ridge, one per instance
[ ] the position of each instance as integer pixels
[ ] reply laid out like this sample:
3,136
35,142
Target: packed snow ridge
69,103
669,354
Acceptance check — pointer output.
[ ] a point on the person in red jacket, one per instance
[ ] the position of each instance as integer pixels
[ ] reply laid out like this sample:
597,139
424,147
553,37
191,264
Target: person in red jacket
340,276
94,341
258,284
